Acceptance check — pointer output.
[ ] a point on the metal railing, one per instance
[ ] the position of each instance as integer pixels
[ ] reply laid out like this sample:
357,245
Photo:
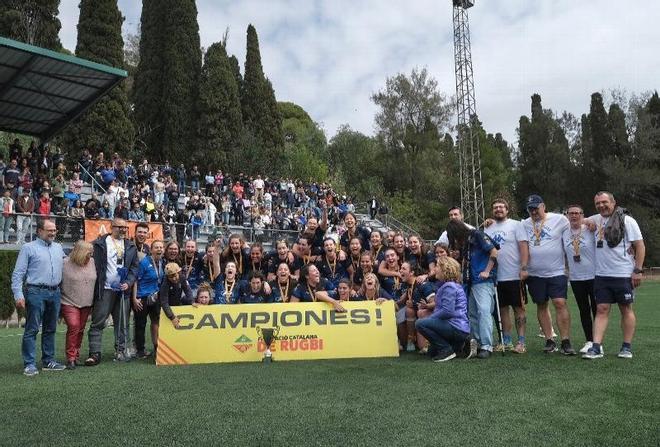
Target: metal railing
92,179
387,220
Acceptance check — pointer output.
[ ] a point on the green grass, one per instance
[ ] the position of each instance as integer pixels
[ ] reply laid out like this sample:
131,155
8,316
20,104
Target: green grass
509,400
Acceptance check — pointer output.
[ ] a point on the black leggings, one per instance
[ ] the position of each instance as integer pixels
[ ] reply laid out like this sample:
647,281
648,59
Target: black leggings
584,295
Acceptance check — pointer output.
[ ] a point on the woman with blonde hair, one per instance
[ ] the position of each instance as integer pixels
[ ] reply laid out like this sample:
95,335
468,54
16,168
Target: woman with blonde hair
448,328
78,279
371,290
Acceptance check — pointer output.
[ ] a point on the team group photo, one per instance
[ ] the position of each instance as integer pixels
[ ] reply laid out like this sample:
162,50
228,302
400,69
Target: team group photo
324,230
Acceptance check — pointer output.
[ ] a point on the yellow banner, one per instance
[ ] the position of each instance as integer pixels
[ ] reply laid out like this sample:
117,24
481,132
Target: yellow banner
305,331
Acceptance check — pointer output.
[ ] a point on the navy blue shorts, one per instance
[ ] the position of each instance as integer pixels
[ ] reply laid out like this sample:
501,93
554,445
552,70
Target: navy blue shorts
610,290
511,293
544,289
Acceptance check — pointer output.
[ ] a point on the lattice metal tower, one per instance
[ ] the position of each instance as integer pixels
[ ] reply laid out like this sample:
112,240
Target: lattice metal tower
472,193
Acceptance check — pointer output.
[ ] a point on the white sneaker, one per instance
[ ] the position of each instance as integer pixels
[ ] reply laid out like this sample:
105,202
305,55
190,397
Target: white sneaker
586,347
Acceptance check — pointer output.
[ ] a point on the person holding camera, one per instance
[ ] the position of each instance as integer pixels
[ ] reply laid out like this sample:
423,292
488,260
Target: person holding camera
146,303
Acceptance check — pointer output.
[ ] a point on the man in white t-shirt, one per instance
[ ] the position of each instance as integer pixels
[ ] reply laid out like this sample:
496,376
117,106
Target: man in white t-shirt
513,252
619,262
258,184
579,248
547,279
455,213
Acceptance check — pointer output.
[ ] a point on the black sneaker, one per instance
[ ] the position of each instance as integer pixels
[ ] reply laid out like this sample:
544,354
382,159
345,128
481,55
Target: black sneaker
483,354
566,348
141,355
71,364
444,357
550,346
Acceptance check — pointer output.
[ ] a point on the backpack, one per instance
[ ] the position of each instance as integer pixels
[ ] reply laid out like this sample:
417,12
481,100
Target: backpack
615,229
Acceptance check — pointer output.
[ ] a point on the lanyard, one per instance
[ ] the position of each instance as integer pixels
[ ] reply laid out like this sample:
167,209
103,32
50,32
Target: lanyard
333,266
378,252
284,292
239,262
229,290
311,293
575,241
157,268
188,264
538,231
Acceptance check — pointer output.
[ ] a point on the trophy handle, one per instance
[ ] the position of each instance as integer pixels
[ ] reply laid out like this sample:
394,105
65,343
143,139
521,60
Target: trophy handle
276,330
259,332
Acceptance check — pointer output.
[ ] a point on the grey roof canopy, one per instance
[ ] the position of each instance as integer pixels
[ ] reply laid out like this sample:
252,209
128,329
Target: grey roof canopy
41,91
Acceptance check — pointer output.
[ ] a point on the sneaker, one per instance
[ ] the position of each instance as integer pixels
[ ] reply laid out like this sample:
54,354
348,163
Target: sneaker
519,348
410,347
586,347
142,355
71,364
54,366
30,371
424,351
625,353
473,348
567,349
483,354
93,359
444,357
550,346
121,356
592,354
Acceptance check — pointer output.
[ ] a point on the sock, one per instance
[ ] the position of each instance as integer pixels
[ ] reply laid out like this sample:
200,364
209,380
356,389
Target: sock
506,338
596,347
626,346
521,339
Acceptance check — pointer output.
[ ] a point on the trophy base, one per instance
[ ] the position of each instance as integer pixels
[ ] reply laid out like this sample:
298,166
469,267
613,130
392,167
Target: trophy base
268,359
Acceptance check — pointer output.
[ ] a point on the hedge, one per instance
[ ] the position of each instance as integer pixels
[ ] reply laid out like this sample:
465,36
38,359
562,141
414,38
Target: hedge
7,262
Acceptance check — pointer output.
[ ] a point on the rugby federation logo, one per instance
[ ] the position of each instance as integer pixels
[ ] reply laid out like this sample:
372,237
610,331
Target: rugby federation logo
242,344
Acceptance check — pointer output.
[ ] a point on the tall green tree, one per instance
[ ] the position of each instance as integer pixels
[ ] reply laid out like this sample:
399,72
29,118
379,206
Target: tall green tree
305,145
260,113
412,114
543,157
220,124
107,124
31,21
167,79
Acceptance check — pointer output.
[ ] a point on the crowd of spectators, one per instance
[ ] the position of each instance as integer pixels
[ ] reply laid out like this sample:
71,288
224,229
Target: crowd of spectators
45,182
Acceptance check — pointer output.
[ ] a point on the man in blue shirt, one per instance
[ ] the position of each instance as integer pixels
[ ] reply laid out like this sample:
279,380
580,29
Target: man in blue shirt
39,266
478,255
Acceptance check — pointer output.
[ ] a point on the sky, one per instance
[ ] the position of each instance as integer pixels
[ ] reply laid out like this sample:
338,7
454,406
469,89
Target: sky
330,56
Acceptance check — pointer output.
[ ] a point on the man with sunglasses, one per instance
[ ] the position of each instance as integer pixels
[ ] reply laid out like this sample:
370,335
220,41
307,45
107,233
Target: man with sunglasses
116,260
547,273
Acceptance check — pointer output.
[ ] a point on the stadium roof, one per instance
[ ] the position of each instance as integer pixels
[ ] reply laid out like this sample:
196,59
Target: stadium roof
41,91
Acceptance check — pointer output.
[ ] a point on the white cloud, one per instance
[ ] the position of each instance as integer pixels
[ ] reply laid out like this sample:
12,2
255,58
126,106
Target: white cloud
329,56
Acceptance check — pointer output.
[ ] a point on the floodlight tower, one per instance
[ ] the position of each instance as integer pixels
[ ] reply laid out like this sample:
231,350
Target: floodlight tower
472,192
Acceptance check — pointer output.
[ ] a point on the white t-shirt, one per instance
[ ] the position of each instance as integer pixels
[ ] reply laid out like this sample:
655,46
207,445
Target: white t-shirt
585,269
617,262
444,240
547,258
258,184
507,234
113,248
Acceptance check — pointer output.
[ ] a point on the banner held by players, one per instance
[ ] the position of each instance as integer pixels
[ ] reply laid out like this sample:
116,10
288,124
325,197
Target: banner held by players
307,331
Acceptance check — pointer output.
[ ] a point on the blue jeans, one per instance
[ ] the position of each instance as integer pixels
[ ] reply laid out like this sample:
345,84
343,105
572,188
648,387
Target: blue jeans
480,311
42,309
195,185
444,338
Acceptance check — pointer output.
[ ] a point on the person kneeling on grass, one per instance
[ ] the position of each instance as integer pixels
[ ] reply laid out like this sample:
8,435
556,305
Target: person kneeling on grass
447,329
174,285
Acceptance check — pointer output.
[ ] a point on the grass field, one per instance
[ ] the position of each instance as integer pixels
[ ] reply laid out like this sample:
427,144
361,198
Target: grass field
528,400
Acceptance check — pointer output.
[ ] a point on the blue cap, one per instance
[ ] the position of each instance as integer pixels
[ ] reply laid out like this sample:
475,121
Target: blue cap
534,201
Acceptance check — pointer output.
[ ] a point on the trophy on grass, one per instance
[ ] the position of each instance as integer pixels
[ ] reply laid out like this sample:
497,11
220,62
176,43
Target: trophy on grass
268,335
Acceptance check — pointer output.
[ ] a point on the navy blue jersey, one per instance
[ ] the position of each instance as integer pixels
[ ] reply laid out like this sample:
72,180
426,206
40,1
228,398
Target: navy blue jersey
304,293
282,292
333,271
224,292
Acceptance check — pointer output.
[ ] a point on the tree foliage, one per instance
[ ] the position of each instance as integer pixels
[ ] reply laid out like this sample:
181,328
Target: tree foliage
167,79
106,125
220,124
31,21
260,113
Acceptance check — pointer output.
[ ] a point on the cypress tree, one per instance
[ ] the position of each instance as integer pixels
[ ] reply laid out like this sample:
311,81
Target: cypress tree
260,113
106,125
617,127
220,122
236,70
167,78
31,21
544,159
